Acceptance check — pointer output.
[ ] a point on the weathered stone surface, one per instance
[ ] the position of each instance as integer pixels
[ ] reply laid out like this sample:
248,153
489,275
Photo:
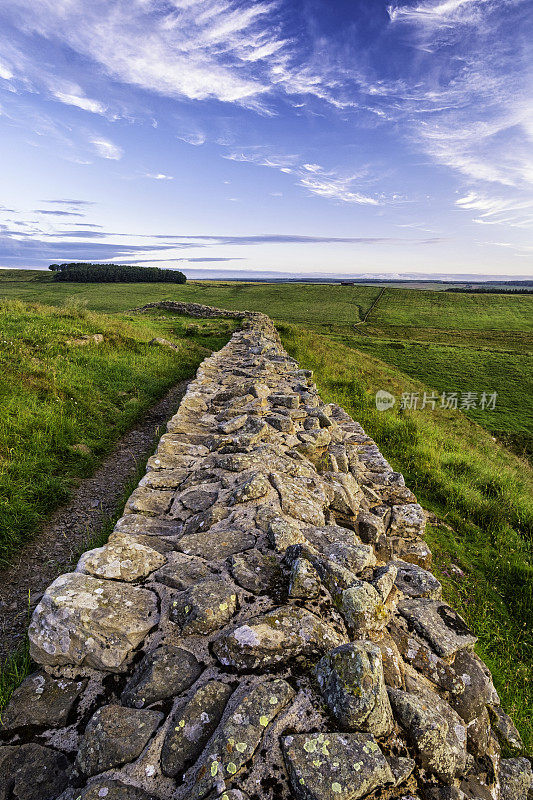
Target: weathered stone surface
434,729
198,498
351,681
257,572
112,790
204,520
216,544
205,607
516,778
401,768
414,581
239,735
479,689
40,701
273,638
121,559
393,665
414,551
407,520
327,766
363,608
283,533
233,424
152,502
505,728
304,580
416,652
84,620
347,495
166,672
478,735
370,527
141,525
192,725
182,571
255,487
444,629
355,557
115,735
281,422
32,772
300,498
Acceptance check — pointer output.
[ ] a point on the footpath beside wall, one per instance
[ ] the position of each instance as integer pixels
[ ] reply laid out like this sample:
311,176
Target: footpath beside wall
261,625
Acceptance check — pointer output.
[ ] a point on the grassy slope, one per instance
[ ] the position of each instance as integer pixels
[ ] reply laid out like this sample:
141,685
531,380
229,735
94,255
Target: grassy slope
471,344
326,307
448,369
63,406
481,490
443,310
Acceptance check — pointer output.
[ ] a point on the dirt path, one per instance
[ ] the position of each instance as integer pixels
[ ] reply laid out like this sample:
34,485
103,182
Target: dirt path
56,548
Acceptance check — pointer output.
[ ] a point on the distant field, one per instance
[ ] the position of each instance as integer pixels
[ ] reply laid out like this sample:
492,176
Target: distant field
322,306
452,369
442,310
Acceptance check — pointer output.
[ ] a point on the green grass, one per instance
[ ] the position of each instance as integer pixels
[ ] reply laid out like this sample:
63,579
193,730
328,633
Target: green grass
326,307
447,369
475,312
63,406
480,489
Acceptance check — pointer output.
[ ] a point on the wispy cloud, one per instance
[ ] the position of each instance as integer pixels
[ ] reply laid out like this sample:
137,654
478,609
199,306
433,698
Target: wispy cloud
73,95
158,176
314,178
498,210
57,213
195,139
69,202
188,48
106,149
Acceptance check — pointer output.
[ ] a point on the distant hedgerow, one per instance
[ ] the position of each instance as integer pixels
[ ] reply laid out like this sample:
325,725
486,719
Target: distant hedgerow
115,273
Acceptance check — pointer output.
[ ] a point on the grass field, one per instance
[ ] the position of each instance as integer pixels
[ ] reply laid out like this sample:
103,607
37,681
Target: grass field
316,306
62,406
442,310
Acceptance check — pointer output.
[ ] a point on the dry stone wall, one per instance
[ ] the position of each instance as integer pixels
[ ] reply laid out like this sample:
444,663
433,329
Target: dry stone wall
262,624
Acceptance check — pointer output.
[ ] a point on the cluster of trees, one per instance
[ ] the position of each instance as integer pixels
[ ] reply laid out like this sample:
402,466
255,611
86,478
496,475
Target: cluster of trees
115,273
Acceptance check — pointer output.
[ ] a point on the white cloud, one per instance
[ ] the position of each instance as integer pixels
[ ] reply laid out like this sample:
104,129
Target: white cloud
196,49
85,103
106,149
312,177
5,72
325,184
195,139
496,209
159,176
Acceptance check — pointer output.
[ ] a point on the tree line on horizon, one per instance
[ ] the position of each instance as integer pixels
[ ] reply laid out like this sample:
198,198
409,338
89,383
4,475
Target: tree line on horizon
114,273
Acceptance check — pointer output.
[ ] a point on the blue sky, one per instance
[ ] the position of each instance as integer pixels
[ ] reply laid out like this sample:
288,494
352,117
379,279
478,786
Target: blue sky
305,136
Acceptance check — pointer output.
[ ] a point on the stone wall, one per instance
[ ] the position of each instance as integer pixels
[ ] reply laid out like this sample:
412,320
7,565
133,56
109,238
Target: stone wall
261,625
